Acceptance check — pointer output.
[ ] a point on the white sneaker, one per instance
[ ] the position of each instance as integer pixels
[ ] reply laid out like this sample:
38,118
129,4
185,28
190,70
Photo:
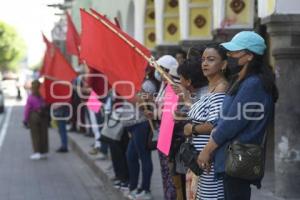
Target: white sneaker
102,156
35,156
44,156
125,191
144,195
132,194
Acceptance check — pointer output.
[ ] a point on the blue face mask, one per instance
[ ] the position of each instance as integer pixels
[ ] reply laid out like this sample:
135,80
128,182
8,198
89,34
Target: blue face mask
157,76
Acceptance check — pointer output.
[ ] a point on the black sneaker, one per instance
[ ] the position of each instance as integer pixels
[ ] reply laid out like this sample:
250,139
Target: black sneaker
124,186
117,184
62,150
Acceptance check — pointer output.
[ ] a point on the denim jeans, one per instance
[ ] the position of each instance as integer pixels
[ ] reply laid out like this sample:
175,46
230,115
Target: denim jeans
137,151
62,129
104,148
236,189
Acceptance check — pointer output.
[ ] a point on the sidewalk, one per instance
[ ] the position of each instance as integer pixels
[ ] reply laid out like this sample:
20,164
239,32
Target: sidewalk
81,145
103,168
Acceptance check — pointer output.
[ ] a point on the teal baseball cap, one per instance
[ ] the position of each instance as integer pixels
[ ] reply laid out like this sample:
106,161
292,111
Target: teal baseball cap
248,40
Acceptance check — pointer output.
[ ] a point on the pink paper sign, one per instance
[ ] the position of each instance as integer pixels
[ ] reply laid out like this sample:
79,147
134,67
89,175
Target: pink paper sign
167,121
93,103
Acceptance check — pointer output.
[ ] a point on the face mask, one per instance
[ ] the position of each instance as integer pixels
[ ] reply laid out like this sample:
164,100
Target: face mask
157,76
233,65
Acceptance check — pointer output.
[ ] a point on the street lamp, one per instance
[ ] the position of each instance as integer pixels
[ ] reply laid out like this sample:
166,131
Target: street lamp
67,4
60,28
61,6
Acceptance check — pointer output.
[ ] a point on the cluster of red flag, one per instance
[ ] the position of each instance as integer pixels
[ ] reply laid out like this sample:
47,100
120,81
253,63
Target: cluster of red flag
103,50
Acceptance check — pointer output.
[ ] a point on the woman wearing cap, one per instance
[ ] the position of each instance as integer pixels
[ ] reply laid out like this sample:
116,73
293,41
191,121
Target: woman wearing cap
254,83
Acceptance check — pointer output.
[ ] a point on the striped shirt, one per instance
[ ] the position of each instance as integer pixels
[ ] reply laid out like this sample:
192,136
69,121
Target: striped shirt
207,109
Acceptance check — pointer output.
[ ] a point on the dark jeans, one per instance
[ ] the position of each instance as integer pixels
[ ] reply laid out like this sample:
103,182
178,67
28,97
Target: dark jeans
62,129
236,189
137,151
118,157
104,148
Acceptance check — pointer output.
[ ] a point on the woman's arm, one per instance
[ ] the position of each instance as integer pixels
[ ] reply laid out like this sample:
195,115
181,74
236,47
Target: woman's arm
204,157
198,129
248,104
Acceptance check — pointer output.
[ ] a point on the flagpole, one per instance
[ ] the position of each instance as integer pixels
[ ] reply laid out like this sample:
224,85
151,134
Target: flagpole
151,60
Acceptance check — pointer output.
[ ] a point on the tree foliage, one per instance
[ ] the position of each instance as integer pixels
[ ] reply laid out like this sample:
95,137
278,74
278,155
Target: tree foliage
12,48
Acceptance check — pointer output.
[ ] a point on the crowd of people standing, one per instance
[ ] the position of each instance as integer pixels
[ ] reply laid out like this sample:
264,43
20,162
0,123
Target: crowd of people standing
212,83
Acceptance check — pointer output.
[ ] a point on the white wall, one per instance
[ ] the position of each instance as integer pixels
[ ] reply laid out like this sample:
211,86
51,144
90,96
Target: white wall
183,19
263,8
287,7
159,26
218,13
139,12
281,7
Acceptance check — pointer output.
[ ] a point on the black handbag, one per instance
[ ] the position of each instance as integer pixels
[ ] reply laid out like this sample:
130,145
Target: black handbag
188,155
246,161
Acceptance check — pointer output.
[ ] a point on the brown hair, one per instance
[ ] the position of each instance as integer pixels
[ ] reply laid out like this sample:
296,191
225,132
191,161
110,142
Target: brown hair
35,85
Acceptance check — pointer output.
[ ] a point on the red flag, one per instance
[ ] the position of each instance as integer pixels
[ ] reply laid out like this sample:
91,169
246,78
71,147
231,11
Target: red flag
53,91
48,56
72,37
55,64
107,52
97,81
61,69
56,68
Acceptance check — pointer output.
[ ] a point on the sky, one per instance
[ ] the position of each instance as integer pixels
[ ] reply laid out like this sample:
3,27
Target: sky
30,18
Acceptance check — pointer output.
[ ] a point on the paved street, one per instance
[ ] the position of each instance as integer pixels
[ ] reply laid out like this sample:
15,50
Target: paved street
60,177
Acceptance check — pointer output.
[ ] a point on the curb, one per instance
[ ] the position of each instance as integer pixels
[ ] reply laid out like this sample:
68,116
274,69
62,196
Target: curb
95,165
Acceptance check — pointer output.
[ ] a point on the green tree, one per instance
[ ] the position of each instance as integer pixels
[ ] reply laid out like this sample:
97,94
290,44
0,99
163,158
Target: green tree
12,48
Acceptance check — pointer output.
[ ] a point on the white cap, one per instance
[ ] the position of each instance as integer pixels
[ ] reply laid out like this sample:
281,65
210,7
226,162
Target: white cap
170,63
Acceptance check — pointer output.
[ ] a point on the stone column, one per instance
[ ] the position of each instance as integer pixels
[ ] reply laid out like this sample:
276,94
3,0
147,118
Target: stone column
284,31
